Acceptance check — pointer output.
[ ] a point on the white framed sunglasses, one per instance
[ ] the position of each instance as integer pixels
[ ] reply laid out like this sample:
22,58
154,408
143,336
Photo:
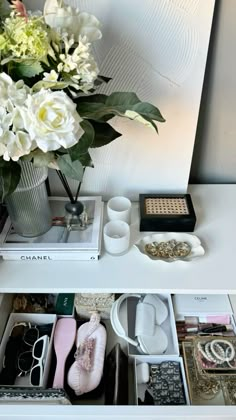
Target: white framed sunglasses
39,353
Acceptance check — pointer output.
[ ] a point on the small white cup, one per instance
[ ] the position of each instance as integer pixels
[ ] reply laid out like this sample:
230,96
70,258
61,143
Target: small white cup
116,235
119,208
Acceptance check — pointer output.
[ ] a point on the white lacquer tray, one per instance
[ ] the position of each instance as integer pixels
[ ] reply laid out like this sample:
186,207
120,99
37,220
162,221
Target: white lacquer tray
193,241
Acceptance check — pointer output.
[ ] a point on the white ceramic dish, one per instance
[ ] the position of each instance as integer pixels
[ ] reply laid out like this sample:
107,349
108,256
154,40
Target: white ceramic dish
194,242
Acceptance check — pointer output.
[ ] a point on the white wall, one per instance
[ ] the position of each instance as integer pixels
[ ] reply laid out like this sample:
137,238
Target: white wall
214,159
158,49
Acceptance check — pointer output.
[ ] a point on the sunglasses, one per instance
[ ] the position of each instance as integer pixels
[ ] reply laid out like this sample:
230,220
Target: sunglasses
10,370
39,352
18,359
25,358
32,361
30,333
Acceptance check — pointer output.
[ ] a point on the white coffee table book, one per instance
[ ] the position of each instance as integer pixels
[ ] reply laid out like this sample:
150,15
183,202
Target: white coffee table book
59,243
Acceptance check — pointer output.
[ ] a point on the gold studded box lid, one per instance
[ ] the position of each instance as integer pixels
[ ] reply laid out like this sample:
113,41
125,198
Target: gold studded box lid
166,213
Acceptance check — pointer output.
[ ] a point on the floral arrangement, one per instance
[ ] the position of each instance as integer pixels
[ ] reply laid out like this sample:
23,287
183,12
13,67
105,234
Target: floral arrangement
49,111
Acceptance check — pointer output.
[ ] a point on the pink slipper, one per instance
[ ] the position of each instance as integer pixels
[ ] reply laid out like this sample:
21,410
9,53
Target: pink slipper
86,372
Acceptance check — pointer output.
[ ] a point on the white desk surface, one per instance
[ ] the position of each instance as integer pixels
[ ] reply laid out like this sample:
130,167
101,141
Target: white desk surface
215,207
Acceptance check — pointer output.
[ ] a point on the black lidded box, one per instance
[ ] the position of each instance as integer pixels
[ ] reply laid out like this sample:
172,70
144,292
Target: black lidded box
166,213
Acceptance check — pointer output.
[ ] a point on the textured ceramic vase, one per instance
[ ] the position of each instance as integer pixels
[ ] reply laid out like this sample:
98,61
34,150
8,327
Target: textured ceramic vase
28,205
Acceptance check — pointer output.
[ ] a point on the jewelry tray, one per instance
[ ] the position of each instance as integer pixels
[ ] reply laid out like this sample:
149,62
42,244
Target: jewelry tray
193,241
215,356
207,389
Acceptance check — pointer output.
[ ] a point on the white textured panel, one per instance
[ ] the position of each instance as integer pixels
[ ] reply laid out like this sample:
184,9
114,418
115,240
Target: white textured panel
171,56
158,49
188,6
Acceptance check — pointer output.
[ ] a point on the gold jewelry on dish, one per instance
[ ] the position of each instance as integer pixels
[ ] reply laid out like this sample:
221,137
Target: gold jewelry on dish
168,250
182,249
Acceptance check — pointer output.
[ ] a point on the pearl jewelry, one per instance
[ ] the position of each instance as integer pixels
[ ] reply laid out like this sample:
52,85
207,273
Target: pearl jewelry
217,351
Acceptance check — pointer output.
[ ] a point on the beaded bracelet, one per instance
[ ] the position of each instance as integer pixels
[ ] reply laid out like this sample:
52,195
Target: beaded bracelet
214,351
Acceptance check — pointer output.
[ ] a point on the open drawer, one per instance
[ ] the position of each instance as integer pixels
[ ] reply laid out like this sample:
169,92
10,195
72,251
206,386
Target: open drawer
96,406
98,397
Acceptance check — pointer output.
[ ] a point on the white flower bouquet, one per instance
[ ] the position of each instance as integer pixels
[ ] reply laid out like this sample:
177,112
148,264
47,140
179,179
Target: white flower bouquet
50,114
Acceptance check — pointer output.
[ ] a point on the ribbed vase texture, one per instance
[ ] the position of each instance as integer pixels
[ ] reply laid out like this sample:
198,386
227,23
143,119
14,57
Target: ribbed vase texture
28,205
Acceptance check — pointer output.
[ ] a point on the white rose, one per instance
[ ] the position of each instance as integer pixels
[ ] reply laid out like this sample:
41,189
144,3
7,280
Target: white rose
71,20
16,145
5,82
2,131
18,92
14,119
17,118
52,120
12,93
3,123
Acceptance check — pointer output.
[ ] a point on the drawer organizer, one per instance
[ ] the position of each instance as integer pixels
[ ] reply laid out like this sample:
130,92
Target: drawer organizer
132,375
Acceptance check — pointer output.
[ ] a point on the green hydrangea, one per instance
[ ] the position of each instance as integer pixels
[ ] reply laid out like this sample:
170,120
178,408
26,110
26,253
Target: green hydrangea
26,39
3,42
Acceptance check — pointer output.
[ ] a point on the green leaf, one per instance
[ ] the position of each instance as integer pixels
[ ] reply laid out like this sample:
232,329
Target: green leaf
99,106
27,158
43,84
96,83
100,80
96,111
41,159
3,42
104,134
29,69
104,78
124,99
9,179
71,169
132,115
84,142
118,103
86,160
152,123
148,110
3,163
98,98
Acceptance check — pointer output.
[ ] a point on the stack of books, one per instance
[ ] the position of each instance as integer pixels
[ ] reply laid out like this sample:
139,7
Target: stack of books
59,243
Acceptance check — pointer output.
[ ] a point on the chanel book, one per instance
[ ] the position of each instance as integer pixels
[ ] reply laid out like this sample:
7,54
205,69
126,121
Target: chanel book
58,243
